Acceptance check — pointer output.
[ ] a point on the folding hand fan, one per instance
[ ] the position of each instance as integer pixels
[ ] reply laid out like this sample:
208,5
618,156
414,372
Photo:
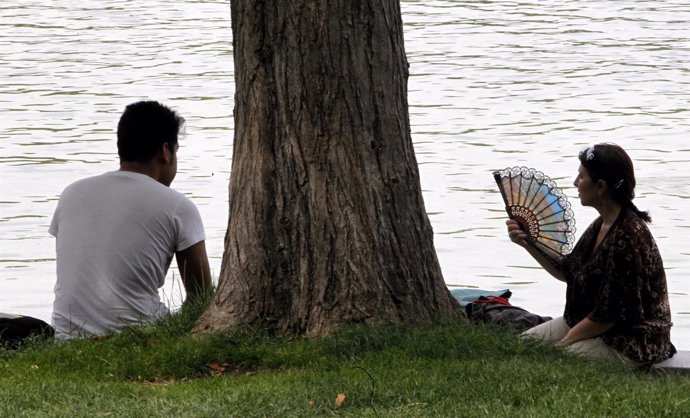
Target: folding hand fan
540,207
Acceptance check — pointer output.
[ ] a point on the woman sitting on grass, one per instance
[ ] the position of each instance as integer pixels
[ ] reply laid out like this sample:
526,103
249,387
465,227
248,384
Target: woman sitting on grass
616,299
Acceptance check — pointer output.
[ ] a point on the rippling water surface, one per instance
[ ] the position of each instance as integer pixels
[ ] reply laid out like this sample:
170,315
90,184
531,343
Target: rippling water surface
493,84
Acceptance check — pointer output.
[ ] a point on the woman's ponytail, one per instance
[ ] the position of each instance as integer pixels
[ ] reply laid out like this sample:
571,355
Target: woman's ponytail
644,215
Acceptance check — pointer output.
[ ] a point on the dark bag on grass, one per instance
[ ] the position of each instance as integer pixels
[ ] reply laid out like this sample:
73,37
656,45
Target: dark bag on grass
15,329
497,310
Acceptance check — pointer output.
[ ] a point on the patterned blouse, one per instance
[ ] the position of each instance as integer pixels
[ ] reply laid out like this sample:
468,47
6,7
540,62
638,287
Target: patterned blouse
623,282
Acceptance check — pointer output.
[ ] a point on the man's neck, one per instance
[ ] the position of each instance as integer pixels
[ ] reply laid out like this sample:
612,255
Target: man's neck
141,168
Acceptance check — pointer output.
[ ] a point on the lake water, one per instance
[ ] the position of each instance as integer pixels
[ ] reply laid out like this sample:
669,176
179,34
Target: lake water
493,84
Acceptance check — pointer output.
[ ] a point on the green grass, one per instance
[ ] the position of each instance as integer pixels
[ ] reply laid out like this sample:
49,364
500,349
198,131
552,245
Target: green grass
449,369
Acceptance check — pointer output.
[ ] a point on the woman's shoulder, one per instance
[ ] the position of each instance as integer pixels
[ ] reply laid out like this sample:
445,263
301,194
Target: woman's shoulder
634,231
632,222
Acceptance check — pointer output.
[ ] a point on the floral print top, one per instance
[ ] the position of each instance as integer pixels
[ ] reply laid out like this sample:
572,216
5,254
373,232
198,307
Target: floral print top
622,281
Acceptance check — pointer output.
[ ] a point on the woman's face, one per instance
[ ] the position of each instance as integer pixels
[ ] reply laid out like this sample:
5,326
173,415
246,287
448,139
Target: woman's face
586,187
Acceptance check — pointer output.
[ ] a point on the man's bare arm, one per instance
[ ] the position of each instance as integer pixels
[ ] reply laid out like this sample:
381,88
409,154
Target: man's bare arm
195,271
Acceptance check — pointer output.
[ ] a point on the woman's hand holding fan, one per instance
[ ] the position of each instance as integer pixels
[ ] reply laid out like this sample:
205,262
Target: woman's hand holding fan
517,233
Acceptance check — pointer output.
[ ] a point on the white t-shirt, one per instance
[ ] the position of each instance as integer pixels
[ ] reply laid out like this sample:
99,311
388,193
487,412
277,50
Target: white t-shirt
116,236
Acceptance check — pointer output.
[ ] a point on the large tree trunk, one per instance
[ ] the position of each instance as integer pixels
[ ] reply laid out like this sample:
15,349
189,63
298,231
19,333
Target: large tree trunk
327,222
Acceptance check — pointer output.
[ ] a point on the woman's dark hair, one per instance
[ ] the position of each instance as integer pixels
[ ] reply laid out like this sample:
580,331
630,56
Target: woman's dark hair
611,163
143,128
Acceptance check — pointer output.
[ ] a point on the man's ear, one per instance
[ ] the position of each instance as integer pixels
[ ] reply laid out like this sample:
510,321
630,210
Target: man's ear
167,152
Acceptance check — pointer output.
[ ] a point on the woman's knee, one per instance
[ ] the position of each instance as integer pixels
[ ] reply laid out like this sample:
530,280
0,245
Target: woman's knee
550,331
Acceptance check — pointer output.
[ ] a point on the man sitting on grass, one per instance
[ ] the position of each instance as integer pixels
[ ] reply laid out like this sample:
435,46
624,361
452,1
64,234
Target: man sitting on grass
117,233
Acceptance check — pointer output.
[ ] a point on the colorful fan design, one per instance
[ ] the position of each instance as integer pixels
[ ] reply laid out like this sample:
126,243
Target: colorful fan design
540,207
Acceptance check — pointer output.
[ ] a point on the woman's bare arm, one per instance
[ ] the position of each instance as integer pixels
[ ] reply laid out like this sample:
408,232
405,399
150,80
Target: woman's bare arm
584,330
518,236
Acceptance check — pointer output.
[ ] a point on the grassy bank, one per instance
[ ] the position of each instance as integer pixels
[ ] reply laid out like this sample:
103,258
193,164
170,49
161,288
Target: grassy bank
444,370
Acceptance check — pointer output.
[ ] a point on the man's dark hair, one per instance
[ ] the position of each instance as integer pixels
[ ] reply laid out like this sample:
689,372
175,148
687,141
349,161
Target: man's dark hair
143,128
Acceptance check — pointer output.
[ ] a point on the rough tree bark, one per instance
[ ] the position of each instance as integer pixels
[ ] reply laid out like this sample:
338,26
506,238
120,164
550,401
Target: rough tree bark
327,222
